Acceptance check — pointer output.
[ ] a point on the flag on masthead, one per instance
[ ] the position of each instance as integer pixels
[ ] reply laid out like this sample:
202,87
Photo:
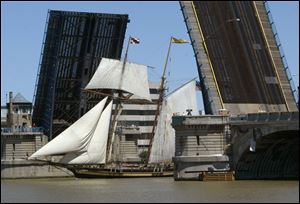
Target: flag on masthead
134,40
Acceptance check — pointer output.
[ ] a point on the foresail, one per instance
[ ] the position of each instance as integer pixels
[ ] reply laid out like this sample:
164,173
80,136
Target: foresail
188,92
76,137
177,102
97,147
96,150
160,145
111,75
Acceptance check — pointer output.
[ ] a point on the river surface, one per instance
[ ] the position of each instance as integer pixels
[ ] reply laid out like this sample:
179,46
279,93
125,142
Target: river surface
146,190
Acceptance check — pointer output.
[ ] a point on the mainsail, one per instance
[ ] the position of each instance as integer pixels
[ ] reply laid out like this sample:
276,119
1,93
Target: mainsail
176,102
111,74
85,140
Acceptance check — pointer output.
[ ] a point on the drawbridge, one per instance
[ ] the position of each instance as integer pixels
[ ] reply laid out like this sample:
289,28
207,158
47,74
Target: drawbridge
251,124
240,60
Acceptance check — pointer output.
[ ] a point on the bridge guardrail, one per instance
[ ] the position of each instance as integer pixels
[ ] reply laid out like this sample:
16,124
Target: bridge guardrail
285,116
265,117
279,45
274,116
295,116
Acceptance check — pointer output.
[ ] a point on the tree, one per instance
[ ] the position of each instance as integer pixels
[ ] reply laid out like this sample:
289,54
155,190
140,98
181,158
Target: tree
143,155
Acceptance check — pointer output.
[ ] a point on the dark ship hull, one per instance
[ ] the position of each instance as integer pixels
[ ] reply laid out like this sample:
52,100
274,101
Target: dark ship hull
88,172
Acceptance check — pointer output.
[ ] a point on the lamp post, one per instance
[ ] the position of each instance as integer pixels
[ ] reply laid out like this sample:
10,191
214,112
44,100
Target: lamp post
218,28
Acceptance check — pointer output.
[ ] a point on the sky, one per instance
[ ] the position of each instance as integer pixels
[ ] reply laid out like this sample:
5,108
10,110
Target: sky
153,22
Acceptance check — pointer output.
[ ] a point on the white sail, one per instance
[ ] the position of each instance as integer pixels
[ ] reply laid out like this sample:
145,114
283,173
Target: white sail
177,102
96,150
160,140
111,74
184,98
76,137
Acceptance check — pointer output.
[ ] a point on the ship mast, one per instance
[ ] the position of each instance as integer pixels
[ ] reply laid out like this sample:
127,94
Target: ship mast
159,103
161,94
118,109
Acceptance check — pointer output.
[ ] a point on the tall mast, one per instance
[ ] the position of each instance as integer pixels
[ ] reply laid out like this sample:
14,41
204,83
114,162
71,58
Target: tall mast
159,103
117,111
161,94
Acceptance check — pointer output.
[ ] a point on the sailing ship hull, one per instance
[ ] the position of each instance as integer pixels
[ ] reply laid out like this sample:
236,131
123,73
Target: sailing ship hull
111,173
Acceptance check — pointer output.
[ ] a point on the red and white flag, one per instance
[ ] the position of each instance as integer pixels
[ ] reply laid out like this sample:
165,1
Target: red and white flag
134,40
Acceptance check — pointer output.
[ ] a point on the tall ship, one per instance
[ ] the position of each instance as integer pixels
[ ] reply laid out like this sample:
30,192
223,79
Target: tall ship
88,147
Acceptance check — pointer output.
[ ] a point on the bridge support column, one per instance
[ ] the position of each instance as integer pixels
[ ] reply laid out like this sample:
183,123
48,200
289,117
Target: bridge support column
199,146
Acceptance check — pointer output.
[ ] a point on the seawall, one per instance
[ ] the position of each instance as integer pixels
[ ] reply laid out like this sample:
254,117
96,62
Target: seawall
13,169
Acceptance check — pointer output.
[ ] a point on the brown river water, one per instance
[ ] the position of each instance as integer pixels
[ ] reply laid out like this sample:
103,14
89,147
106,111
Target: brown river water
141,190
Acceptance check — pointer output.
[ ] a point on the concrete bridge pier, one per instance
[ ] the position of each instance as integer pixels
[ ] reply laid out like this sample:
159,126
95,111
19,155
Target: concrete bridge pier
199,145
255,146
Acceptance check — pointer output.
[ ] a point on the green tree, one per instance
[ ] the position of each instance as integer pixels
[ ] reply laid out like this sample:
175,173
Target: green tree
143,155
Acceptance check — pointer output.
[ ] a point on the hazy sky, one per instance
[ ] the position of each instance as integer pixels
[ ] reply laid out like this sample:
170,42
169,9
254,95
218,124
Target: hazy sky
23,23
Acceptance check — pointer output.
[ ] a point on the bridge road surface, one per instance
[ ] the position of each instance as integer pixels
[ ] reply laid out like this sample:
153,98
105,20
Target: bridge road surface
238,53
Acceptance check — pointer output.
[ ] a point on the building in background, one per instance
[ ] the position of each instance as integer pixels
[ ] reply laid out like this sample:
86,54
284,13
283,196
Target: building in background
136,123
134,127
4,112
17,113
18,138
73,46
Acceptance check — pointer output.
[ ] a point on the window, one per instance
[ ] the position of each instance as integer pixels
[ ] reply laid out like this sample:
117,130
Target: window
198,140
154,91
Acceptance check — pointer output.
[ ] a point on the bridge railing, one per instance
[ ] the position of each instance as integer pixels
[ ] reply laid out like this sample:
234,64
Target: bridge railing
265,117
209,99
284,61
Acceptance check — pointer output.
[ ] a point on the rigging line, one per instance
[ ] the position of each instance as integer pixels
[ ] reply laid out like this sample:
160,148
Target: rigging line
182,79
159,103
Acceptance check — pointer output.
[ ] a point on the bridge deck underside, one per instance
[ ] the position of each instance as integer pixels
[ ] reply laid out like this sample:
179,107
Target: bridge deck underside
276,157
